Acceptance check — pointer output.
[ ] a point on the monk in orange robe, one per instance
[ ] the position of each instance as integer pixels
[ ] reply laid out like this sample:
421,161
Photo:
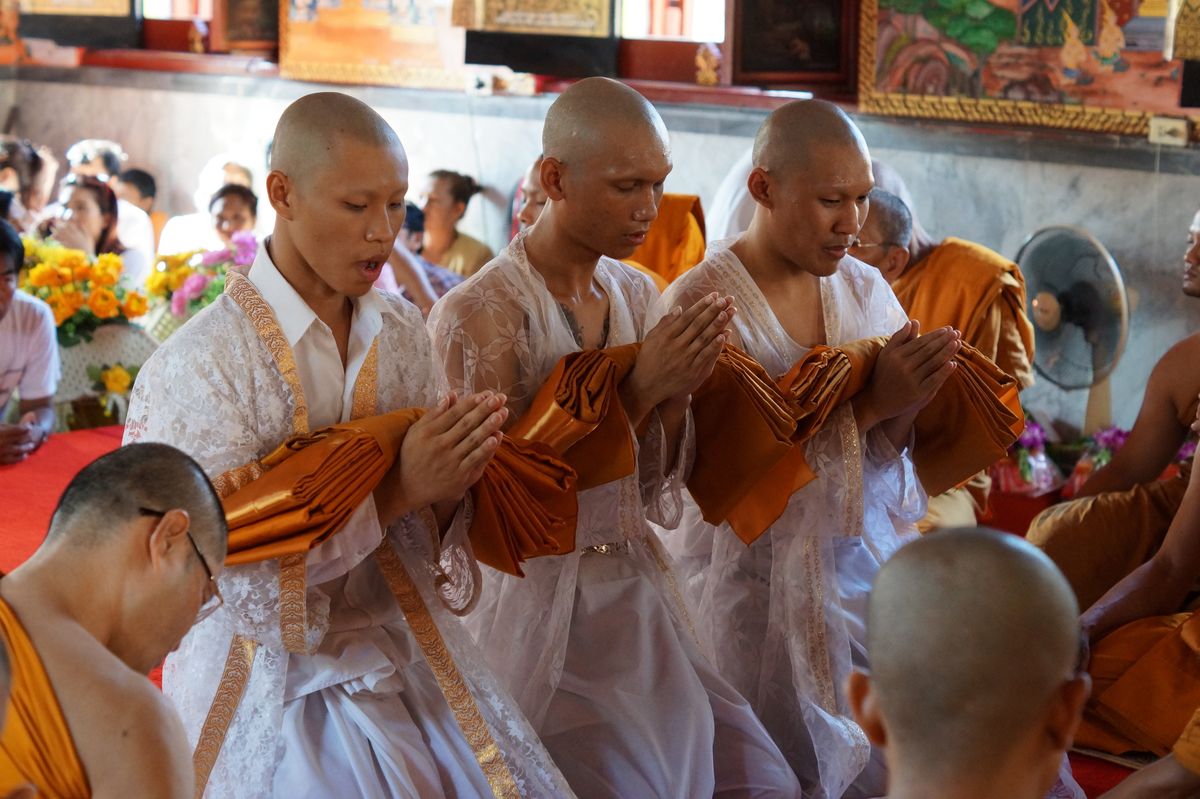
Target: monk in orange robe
1145,663
129,564
1121,514
957,283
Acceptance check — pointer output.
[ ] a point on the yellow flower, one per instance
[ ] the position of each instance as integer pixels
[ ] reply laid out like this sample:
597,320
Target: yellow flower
104,277
44,275
157,284
134,305
116,380
103,303
62,310
110,262
73,298
179,276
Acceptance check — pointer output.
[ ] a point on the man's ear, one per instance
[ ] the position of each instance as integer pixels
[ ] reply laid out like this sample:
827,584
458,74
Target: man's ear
552,174
895,262
865,706
759,186
1066,709
167,534
279,192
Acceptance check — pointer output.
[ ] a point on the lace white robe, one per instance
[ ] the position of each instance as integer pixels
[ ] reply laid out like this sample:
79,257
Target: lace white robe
597,647
363,715
783,619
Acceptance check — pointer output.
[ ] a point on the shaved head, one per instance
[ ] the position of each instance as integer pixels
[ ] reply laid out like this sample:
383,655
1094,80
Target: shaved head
596,116
889,180
311,128
794,134
971,633
112,489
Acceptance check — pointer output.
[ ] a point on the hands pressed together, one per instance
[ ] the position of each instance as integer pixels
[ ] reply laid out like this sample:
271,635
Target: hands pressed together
444,454
910,370
678,355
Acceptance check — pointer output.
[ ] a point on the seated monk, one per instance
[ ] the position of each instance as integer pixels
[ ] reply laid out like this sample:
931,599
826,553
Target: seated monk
1122,512
991,720
1145,664
129,564
966,286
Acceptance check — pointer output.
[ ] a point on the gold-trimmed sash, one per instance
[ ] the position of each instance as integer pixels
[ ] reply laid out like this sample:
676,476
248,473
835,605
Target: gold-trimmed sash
234,679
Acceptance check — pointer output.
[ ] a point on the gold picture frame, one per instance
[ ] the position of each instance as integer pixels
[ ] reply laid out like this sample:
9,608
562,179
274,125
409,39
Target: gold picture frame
989,110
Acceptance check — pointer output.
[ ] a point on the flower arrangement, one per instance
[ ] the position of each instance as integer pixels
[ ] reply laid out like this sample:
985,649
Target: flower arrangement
112,382
1027,469
190,281
82,292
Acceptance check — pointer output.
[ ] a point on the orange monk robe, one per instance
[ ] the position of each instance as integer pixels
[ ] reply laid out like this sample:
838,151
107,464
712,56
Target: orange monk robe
675,242
982,294
1146,690
36,746
751,431
1097,540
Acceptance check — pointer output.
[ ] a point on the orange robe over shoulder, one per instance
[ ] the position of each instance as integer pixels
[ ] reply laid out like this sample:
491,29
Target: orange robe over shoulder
36,746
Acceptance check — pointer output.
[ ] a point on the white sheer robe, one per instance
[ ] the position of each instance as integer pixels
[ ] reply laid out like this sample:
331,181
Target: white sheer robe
783,619
597,647
363,714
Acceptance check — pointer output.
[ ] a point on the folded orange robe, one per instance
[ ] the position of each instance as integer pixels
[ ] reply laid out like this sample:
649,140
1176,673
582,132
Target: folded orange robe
675,242
978,292
578,413
1146,689
525,501
36,746
750,455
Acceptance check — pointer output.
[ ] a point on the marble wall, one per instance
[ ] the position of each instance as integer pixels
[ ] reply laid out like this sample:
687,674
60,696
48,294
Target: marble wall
993,186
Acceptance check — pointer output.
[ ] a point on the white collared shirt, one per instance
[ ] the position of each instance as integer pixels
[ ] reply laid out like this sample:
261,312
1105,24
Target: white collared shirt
328,387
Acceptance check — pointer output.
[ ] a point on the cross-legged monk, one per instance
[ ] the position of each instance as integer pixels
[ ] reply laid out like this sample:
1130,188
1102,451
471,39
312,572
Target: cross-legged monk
330,689
974,290
988,720
596,644
1145,663
129,564
1123,511
782,618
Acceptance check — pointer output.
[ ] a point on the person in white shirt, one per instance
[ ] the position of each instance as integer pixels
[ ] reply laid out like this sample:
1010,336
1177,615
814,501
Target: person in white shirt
364,699
195,231
102,159
28,357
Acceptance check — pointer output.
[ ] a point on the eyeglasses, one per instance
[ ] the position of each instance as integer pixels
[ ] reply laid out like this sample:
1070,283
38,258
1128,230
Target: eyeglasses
214,600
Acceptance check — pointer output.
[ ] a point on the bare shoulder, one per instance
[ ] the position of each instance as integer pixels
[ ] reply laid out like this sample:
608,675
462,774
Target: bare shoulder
128,737
1175,373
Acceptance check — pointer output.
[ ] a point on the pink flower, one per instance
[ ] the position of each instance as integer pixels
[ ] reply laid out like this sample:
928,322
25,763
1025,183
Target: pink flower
194,286
245,248
215,257
179,304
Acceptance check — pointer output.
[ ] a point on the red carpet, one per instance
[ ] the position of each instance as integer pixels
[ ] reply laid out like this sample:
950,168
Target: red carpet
29,490
1096,776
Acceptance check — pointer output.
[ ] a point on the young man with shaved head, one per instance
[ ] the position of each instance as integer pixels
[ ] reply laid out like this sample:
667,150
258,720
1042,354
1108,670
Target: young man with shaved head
595,644
311,681
129,565
986,719
782,618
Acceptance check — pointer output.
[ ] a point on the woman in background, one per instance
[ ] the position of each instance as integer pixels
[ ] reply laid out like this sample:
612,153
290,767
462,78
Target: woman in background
87,221
446,198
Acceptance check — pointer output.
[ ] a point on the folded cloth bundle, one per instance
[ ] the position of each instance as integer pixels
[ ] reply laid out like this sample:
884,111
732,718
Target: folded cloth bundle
525,502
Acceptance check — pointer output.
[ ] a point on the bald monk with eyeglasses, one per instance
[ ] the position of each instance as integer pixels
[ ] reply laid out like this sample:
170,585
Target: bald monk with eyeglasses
128,566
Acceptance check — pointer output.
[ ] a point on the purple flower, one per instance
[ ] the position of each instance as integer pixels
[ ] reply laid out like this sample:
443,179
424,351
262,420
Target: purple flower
1110,439
1186,451
1033,438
